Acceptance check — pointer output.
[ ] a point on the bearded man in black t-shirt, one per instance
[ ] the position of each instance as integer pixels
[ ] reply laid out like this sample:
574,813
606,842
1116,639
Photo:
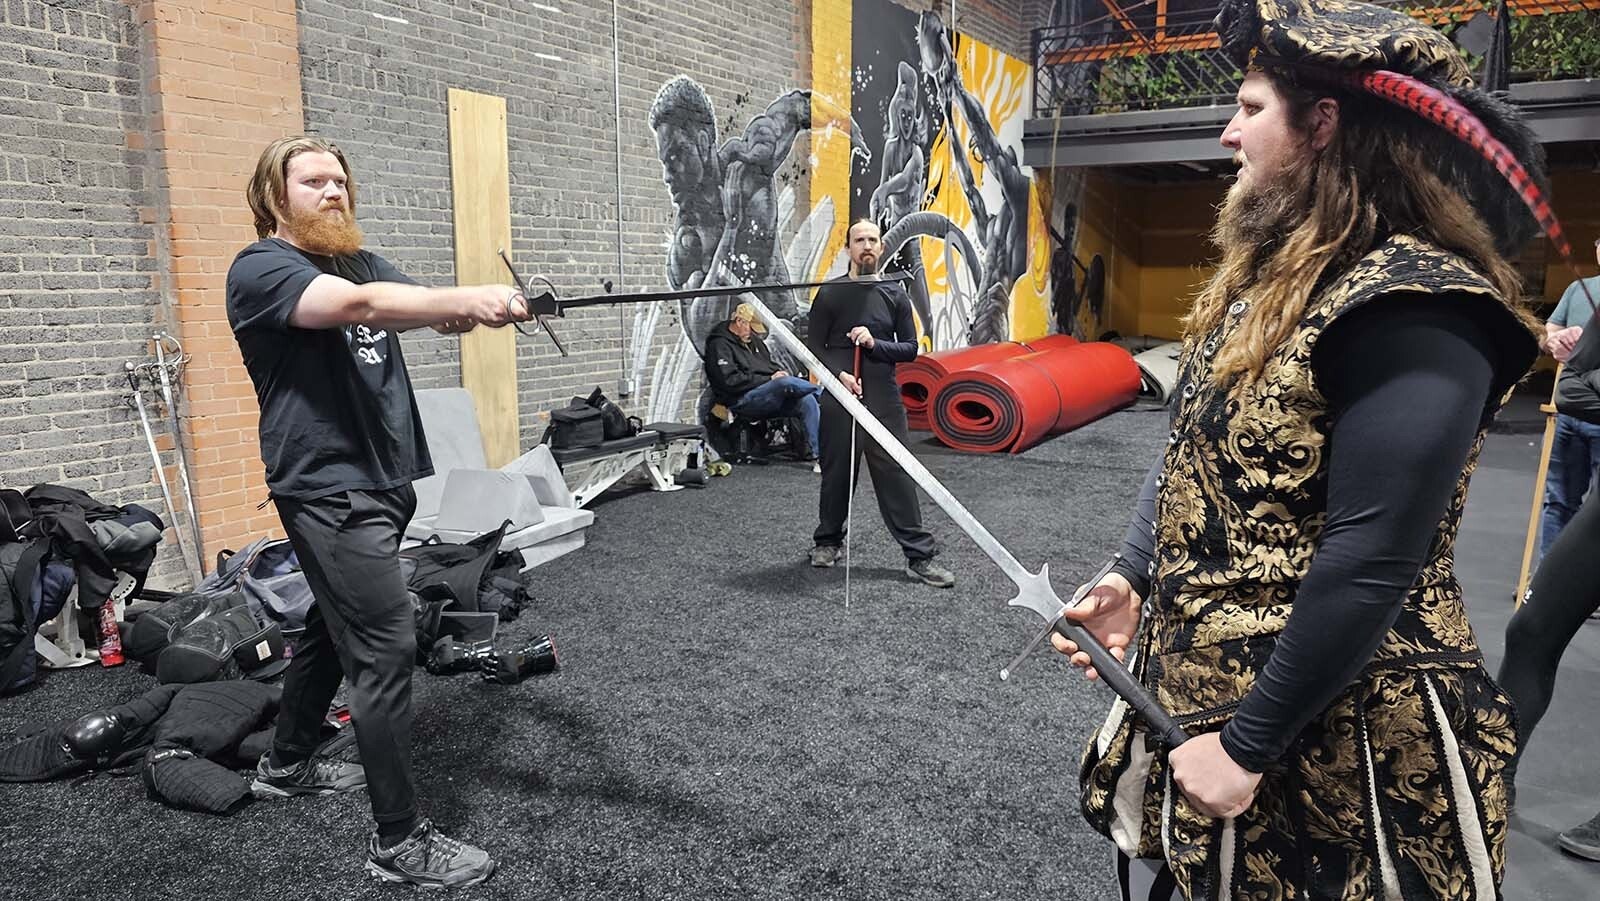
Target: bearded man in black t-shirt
317,320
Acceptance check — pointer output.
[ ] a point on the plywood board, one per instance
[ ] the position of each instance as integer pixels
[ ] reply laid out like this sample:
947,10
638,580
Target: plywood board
480,187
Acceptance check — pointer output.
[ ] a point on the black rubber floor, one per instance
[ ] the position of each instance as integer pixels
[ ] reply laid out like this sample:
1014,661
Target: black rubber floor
725,726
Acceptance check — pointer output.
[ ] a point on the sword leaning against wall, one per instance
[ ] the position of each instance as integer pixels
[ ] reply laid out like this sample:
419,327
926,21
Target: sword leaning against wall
1034,591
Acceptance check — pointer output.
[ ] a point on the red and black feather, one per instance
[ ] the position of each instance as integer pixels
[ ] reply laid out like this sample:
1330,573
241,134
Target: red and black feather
1451,113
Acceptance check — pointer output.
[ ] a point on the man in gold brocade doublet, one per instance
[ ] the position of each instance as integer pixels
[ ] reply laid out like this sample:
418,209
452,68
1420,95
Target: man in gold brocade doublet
1288,589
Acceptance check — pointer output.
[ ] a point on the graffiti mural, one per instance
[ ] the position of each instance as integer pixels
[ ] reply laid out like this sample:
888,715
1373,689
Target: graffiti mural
950,190
729,215
934,123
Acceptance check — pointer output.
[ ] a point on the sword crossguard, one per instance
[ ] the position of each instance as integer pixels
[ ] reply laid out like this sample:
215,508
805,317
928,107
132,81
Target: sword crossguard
1035,593
541,306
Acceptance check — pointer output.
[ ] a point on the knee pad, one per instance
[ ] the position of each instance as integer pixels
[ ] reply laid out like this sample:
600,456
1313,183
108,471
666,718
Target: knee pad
95,736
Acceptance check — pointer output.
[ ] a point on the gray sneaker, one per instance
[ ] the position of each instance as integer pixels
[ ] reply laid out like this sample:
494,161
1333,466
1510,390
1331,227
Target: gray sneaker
931,573
1584,840
316,775
826,555
427,859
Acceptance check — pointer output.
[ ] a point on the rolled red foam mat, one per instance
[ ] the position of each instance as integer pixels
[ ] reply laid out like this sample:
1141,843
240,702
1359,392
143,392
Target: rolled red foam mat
920,379
1014,403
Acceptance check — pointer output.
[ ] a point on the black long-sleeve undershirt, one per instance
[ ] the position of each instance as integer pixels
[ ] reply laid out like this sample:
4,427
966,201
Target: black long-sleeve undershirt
1407,381
882,307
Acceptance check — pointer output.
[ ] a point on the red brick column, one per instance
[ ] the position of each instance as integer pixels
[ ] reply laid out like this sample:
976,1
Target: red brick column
223,79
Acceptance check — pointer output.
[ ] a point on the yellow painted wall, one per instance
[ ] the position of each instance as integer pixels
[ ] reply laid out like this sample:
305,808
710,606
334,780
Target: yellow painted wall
1153,239
1576,197
830,85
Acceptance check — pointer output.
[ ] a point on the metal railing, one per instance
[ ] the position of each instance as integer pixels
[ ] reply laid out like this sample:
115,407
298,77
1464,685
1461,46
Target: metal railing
1139,56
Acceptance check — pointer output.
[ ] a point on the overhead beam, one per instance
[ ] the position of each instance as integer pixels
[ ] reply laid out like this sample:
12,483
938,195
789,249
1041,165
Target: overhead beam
1557,111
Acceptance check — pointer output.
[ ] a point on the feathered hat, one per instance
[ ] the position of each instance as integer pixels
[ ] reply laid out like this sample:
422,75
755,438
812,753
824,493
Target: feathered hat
1493,158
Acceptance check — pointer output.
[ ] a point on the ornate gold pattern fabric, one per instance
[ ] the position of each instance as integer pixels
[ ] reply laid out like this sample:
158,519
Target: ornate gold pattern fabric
1397,784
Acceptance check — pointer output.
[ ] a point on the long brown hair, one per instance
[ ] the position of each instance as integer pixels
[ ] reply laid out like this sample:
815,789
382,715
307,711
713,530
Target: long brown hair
267,192
1375,178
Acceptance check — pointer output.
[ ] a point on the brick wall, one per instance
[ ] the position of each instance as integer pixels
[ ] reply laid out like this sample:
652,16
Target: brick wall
221,82
375,77
131,126
77,291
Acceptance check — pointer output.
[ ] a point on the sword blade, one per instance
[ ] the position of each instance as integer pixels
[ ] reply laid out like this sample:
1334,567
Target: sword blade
592,300
1034,591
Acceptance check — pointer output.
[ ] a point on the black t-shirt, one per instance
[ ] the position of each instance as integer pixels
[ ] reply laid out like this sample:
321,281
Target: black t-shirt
337,412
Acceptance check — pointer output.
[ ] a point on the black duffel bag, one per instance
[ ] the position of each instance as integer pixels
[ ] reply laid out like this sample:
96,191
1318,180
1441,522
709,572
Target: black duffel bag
613,421
575,425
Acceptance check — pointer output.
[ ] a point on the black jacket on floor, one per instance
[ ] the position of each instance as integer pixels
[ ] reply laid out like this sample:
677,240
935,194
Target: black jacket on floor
185,740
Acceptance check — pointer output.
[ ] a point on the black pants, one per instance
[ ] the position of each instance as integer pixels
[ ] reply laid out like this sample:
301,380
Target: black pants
361,628
1563,593
897,493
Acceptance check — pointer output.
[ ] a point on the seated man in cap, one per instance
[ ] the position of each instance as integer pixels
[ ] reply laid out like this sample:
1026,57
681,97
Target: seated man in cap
747,383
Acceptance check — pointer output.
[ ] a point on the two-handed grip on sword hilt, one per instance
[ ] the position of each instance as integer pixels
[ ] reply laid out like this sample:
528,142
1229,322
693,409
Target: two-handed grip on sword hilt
1115,672
1122,681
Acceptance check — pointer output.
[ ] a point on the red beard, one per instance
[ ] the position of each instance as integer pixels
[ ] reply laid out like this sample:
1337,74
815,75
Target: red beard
323,234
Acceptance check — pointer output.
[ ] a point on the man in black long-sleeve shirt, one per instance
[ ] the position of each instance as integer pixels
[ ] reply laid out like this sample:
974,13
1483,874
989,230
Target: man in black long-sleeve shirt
876,316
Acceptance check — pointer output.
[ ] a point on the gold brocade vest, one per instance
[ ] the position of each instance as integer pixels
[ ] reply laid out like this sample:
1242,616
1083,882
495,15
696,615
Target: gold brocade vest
1241,501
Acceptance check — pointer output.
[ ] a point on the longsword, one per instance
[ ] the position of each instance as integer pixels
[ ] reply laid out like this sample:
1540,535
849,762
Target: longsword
544,304
1034,591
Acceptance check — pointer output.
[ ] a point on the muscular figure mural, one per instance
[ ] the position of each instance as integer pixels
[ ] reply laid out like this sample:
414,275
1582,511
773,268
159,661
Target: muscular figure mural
897,202
904,181
725,199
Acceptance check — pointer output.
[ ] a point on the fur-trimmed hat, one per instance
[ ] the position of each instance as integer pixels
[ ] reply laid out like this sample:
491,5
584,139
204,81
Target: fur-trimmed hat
1486,149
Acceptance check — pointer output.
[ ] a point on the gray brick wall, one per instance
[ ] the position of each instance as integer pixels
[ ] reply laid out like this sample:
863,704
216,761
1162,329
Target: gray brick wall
375,79
77,290
78,284
378,87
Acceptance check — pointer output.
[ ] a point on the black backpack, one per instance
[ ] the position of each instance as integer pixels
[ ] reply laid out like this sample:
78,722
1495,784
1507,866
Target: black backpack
575,425
20,565
473,577
15,514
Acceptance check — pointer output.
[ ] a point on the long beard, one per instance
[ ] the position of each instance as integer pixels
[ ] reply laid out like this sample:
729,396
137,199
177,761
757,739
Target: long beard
867,267
1255,220
321,234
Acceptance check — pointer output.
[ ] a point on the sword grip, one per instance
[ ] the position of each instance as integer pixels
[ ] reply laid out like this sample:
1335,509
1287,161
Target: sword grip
1116,675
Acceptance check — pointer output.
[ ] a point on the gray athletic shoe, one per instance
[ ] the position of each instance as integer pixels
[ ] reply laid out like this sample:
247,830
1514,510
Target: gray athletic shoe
826,555
931,573
1584,840
428,859
316,775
